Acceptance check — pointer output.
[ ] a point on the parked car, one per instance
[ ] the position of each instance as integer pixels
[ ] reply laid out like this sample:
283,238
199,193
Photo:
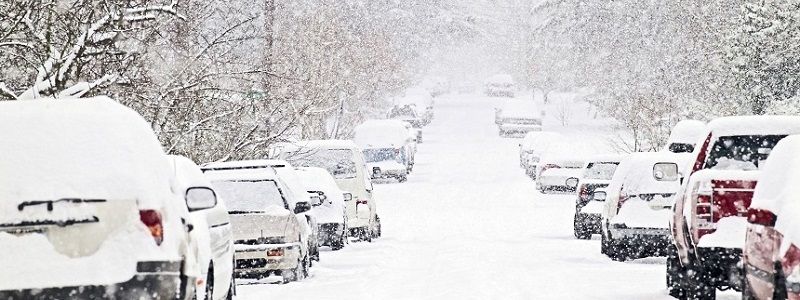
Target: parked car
268,220
216,248
596,176
536,146
552,159
517,118
771,257
684,136
88,209
387,148
561,179
636,213
421,100
709,223
346,162
291,178
500,85
332,212
406,113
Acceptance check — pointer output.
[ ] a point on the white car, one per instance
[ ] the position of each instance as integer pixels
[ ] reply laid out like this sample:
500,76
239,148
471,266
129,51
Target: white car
500,85
638,202
88,207
387,148
331,213
216,248
291,178
685,135
269,228
346,162
596,176
553,170
517,118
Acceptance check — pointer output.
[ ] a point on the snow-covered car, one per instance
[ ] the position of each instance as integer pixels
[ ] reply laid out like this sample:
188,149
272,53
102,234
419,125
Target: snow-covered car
596,175
709,223
534,146
88,207
215,253
554,159
289,175
500,85
331,213
268,220
771,257
387,148
419,99
636,212
406,113
517,118
346,162
684,136
564,179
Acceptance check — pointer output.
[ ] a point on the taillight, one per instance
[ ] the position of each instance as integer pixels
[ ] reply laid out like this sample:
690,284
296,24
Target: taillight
550,166
583,193
761,217
623,196
152,219
704,209
791,264
275,252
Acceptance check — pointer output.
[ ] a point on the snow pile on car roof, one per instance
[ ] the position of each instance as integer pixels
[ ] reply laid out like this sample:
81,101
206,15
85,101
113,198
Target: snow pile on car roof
687,132
777,189
755,125
381,134
79,148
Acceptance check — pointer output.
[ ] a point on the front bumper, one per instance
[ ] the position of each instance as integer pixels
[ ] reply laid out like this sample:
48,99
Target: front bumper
379,173
162,278
253,260
654,241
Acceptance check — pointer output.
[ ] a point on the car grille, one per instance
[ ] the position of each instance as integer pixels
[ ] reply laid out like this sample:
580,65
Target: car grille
251,263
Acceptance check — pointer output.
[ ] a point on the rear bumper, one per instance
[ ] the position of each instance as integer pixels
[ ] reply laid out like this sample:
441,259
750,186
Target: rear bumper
655,240
161,278
519,128
253,260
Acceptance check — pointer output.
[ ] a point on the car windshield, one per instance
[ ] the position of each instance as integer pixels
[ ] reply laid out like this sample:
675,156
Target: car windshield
600,170
746,152
384,154
681,148
338,162
250,195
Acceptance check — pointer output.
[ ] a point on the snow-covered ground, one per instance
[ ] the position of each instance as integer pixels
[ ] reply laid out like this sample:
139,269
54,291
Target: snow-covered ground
470,225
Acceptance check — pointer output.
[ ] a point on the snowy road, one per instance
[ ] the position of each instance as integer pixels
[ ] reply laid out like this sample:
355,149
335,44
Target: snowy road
469,225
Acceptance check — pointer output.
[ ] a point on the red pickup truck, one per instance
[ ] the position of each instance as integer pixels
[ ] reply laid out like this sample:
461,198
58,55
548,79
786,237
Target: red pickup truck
710,218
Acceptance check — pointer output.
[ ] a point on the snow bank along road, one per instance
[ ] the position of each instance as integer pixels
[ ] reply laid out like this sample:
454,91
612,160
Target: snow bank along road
470,225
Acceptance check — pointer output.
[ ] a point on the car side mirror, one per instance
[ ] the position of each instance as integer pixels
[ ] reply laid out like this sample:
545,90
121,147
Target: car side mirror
348,197
302,207
666,172
599,196
200,198
572,182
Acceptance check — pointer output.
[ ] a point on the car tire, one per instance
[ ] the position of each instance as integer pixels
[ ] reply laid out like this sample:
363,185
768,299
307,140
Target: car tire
402,179
779,293
697,288
579,229
603,244
376,232
675,275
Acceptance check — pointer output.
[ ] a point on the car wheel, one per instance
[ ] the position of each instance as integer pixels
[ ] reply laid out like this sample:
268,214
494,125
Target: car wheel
306,267
339,244
698,288
377,226
402,179
579,229
779,293
675,275
603,244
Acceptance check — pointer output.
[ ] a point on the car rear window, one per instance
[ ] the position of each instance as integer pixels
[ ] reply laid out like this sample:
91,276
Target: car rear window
250,195
744,152
600,170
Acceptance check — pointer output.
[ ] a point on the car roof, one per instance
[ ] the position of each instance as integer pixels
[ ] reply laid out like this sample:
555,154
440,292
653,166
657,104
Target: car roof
92,148
246,164
755,125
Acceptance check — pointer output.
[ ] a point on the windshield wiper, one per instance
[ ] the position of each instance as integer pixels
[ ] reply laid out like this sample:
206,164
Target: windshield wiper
49,203
244,212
